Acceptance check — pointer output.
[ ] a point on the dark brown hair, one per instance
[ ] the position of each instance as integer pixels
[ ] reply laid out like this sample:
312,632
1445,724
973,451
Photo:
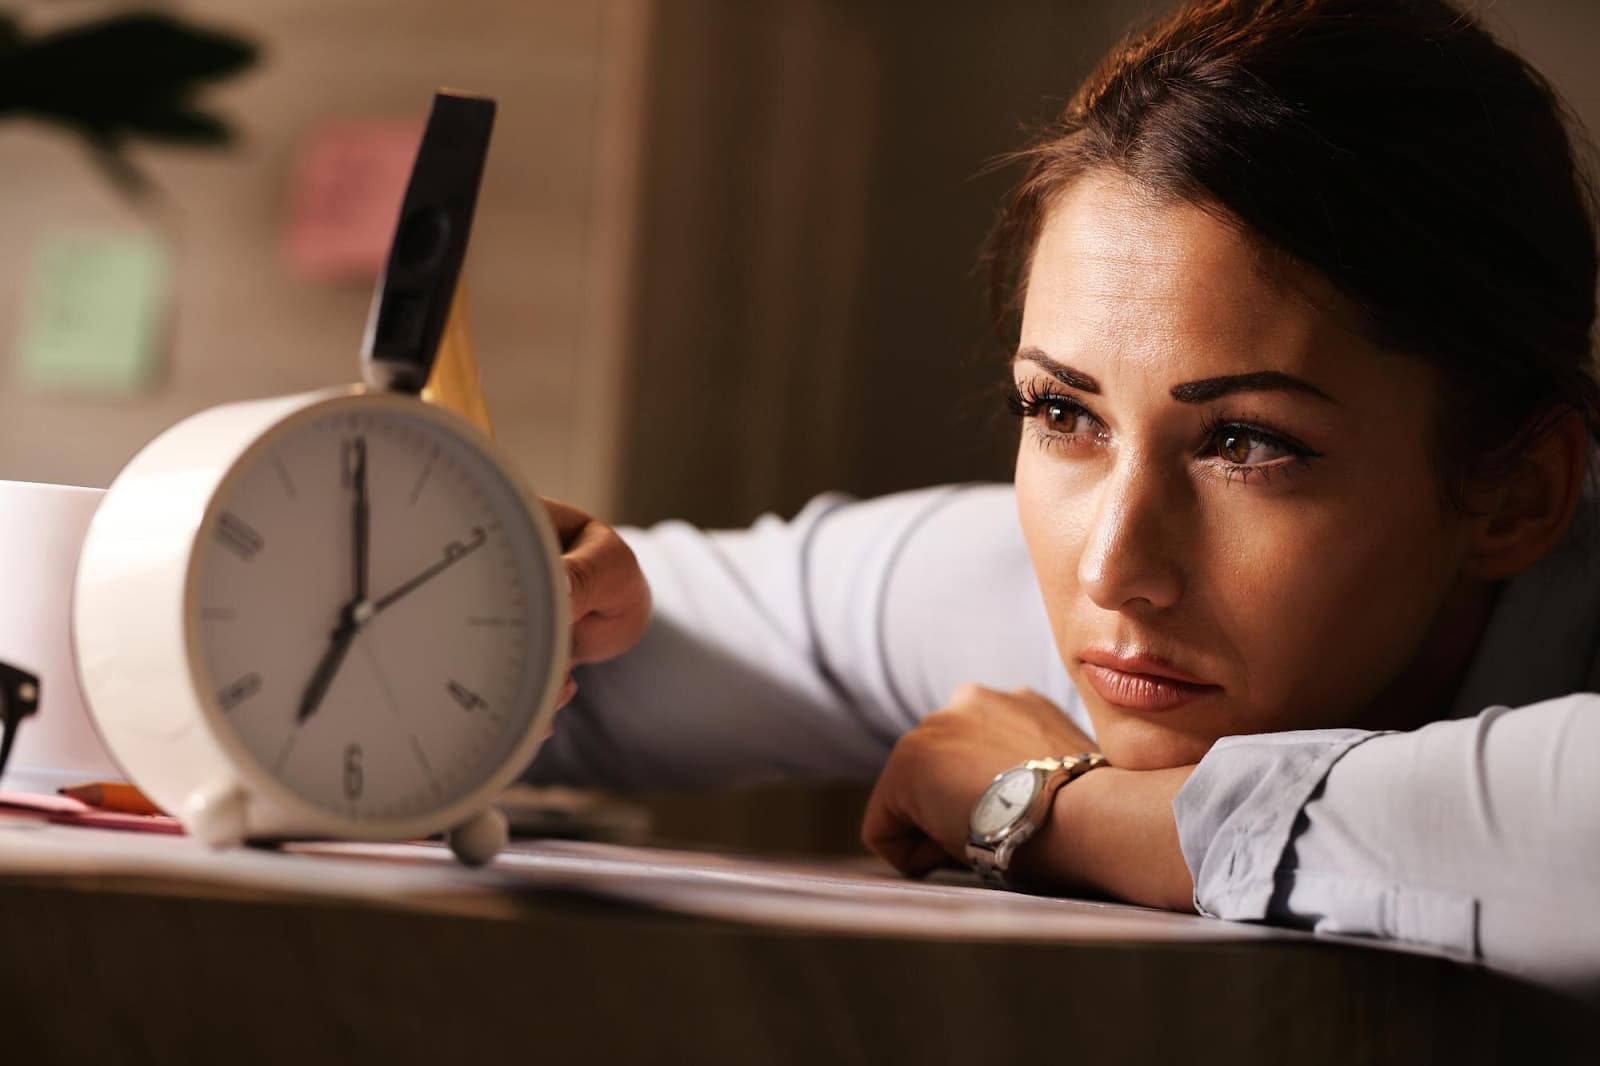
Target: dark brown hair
1392,145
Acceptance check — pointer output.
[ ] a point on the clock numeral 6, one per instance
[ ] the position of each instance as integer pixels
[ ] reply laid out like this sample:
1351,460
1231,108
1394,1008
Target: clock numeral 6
354,778
469,700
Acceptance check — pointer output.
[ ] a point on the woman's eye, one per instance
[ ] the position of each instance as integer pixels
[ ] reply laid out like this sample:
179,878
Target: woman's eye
1061,417
1050,413
1241,446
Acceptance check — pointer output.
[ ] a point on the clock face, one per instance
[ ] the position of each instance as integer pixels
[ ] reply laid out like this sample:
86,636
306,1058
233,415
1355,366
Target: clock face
1005,801
374,612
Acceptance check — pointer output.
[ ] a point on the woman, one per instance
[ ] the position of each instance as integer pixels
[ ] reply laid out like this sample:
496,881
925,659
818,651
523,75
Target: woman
1300,515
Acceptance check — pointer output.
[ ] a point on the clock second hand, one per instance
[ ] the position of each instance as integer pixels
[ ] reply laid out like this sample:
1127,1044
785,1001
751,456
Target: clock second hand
454,552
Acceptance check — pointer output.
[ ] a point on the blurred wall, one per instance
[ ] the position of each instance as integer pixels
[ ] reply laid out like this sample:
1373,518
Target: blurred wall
547,260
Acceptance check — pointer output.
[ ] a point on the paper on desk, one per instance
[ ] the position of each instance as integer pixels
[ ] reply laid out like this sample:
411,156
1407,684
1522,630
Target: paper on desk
429,879
69,811
849,898
799,896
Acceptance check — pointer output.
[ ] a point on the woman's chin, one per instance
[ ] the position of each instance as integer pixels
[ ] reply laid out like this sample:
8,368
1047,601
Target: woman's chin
1139,743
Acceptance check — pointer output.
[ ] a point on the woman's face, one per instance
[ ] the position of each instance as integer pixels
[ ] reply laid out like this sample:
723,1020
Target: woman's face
1230,496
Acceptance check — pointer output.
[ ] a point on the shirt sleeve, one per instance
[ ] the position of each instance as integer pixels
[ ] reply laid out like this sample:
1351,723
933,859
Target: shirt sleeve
1478,837
805,648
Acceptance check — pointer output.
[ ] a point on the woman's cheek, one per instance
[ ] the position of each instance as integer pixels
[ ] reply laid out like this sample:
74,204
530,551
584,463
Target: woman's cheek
1325,622
1054,506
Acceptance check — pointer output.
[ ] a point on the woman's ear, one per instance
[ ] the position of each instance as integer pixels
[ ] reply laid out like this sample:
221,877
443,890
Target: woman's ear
1524,512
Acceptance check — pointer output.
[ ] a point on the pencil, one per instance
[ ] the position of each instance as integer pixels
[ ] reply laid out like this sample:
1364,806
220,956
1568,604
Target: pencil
455,382
111,796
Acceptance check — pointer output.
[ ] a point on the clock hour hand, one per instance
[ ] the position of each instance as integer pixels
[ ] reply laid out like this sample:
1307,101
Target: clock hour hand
454,552
332,659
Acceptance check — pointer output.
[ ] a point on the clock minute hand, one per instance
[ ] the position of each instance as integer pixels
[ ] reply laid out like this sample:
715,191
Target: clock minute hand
355,613
454,552
360,518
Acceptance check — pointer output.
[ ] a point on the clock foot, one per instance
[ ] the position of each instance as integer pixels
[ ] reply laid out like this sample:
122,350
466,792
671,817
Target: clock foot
480,838
215,816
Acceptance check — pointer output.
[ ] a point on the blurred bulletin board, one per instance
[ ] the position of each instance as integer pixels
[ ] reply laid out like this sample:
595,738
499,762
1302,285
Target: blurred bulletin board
548,264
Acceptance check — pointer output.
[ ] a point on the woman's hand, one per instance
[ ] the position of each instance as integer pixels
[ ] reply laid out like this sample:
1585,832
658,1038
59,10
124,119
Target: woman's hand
610,597
1111,832
918,814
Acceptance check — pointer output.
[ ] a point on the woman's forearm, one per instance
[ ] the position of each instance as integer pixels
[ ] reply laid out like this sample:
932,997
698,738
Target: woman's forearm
1112,832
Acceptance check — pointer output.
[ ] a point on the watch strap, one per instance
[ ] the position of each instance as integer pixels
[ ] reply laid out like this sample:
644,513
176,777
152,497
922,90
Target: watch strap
992,860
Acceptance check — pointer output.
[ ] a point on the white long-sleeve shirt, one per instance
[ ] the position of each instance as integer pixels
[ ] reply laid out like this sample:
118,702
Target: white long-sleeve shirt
807,647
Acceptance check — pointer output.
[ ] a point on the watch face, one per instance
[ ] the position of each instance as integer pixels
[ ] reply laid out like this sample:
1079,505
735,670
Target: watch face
374,611
1005,801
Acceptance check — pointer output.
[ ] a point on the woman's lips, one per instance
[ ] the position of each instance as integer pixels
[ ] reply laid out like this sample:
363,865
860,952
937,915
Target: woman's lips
1137,684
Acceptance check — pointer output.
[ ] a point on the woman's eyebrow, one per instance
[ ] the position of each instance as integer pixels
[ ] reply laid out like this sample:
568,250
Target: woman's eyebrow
1191,392
1208,389
1063,373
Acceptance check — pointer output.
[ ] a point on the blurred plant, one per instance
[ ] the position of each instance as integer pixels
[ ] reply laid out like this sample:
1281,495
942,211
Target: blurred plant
124,77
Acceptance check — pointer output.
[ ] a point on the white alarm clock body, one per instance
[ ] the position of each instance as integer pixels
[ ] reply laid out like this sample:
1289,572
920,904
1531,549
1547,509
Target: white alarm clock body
338,614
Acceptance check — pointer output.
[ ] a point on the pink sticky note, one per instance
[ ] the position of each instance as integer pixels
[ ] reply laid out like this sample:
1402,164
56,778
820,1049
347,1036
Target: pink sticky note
348,182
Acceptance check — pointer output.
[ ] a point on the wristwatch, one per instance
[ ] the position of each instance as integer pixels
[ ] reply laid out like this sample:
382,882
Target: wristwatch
1014,806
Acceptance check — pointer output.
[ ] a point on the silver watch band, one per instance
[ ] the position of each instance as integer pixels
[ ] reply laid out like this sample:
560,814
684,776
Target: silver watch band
992,860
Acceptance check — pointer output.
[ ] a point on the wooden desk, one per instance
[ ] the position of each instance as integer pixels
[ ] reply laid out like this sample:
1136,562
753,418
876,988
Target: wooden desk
102,968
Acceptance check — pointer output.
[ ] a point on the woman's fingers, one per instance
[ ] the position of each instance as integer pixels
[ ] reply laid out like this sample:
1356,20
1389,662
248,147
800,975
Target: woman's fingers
912,853
567,519
609,596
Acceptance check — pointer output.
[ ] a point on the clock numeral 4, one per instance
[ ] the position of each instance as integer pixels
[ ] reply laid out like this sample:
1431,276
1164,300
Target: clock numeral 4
354,777
237,536
469,700
230,696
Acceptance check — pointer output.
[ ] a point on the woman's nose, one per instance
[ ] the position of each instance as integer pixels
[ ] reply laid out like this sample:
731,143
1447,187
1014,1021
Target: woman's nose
1132,552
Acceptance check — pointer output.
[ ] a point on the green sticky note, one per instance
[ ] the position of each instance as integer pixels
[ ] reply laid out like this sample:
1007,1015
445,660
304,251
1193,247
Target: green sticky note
93,322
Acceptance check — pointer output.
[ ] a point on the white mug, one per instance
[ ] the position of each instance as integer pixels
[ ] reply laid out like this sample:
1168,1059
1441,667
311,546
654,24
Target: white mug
41,529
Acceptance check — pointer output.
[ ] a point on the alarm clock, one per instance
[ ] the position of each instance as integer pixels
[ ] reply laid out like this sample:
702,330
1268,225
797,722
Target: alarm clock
340,614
